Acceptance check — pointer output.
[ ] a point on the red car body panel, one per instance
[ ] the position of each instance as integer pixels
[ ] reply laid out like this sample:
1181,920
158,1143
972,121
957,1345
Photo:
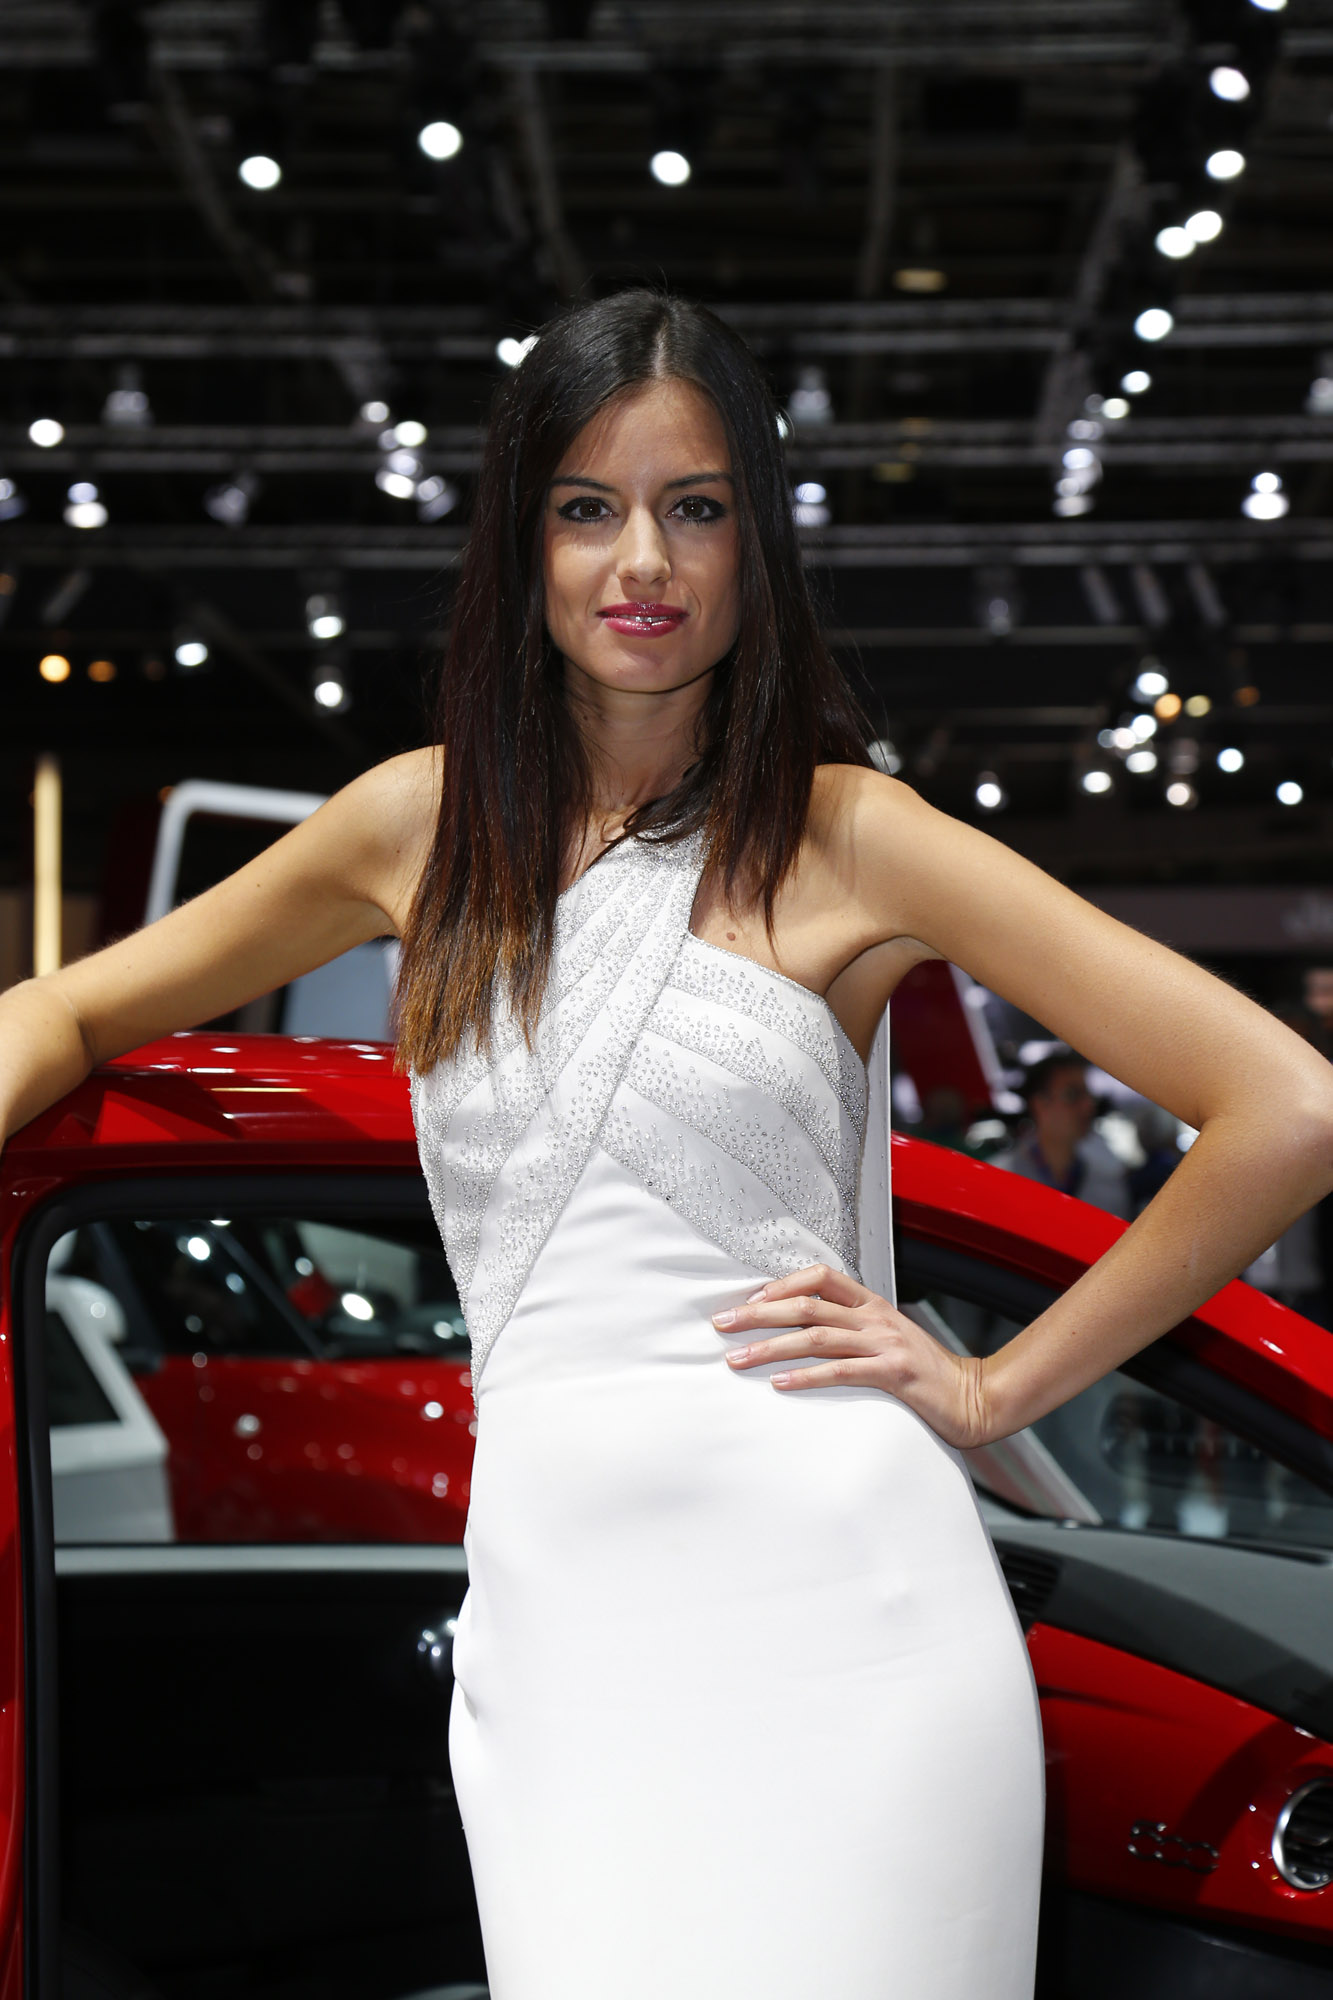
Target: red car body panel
211,1104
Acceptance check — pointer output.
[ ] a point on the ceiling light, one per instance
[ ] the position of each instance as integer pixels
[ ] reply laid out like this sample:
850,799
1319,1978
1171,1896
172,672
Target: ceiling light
101,670
1140,762
53,667
260,172
1179,793
1197,705
1167,707
1246,697
1231,85
1136,382
1085,427
436,497
1267,482
511,351
323,615
1079,456
191,651
398,485
330,690
1143,728
918,280
1225,164
409,432
1319,397
127,406
84,508
1230,760
1266,501
1173,241
990,794
440,140
1290,793
12,502
45,431
672,169
374,412
810,402
811,494
1269,6
229,501
1150,683
1154,323
1204,225
1067,505
1096,781
1115,408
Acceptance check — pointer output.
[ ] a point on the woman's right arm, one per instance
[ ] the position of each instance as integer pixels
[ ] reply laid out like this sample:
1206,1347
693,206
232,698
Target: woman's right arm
345,875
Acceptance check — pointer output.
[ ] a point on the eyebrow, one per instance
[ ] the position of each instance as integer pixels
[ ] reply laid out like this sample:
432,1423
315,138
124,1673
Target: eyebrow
690,479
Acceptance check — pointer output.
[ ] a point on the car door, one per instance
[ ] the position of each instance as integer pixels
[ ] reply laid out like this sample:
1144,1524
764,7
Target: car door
242,1783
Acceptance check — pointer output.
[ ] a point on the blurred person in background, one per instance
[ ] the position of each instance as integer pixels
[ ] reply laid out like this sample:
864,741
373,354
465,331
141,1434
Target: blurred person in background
1058,1145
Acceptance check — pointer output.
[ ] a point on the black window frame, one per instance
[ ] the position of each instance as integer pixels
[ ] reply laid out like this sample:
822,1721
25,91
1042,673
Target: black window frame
331,1193
1166,1365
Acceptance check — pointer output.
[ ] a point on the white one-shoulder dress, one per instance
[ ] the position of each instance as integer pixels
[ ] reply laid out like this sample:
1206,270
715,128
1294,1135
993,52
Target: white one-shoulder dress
742,1710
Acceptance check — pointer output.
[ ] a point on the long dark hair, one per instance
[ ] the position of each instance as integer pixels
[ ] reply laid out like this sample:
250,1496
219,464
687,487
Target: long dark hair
515,777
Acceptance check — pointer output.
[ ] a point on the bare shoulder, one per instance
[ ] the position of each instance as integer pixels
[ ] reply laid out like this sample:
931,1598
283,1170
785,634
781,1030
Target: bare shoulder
388,815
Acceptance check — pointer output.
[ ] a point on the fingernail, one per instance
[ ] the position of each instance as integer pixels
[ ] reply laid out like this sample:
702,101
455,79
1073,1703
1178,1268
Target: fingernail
780,1381
723,1318
738,1354
760,1294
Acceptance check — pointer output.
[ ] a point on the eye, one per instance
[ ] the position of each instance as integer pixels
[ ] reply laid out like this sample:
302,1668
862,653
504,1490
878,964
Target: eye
573,510
699,508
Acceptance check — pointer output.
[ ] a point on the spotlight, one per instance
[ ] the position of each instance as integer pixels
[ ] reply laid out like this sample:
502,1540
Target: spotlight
1067,505
810,402
46,432
374,412
54,667
1096,781
440,140
1174,241
1150,683
1269,6
1231,85
323,615
409,432
1137,382
1319,399
1141,762
1205,225
672,169
84,508
1289,793
1180,793
260,172
101,670
1231,760
328,687
511,351
398,485
990,793
12,502
229,502
191,650
1265,501
436,497
127,406
1154,323
1225,164
1167,707
810,508
1198,705
1115,408
1143,727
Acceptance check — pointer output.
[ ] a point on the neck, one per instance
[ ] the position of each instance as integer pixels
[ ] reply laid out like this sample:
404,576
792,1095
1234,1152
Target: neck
639,743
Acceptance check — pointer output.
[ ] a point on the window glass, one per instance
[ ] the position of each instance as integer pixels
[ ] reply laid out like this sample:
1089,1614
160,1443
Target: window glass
1138,1459
267,1377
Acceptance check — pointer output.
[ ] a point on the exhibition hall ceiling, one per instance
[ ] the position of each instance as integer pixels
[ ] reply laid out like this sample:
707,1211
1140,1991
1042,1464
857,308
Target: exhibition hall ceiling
1042,286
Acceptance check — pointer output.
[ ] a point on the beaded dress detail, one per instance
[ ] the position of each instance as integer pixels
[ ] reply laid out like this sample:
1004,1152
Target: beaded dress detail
733,1665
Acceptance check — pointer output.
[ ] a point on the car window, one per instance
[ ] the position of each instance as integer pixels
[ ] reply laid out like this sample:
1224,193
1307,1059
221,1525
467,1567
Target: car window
264,1373
1124,1452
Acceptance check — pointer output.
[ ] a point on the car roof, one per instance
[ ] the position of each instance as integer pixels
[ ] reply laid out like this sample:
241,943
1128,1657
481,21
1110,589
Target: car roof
201,1101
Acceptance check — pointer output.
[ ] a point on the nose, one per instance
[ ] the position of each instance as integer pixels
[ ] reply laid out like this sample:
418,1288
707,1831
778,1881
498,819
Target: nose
642,556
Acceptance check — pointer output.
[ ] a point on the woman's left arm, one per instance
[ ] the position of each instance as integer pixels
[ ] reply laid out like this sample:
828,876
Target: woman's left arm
1260,1097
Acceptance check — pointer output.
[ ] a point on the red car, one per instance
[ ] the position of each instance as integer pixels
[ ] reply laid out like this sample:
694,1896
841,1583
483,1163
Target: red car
239,1419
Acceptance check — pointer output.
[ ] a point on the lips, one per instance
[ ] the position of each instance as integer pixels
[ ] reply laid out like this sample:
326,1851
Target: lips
643,621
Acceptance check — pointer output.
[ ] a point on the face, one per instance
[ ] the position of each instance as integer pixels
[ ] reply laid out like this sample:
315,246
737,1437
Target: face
640,548
1064,1109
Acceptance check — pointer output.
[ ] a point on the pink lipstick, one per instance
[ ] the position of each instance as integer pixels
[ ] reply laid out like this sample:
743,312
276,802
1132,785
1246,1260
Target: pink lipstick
643,621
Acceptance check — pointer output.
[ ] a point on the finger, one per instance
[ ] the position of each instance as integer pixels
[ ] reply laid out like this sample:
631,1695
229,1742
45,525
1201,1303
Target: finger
843,1341
829,1373
820,1278
802,1311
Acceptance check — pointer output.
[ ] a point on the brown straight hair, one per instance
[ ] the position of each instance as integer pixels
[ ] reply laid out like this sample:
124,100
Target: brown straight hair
515,779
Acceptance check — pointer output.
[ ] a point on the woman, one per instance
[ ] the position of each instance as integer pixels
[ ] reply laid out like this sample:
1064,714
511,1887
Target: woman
741,1707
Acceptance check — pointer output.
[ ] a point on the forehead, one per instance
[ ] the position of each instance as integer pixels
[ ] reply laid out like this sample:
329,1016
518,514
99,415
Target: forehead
648,429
